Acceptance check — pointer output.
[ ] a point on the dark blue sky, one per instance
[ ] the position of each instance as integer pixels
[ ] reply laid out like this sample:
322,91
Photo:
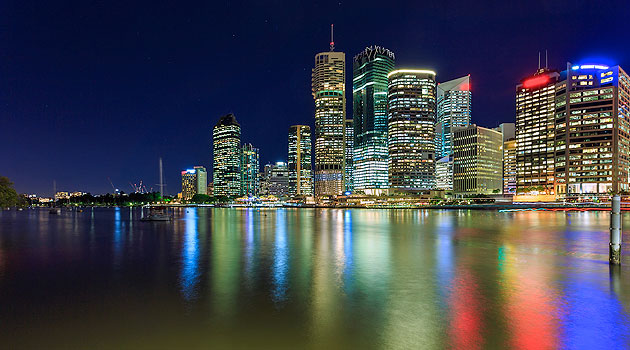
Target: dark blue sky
98,89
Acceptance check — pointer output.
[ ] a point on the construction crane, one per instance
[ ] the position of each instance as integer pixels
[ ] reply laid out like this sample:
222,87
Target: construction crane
113,187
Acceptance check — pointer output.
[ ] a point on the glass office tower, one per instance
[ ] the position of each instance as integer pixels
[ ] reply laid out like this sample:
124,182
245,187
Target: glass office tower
369,91
299,164
226,168
453,111
250,166
411,130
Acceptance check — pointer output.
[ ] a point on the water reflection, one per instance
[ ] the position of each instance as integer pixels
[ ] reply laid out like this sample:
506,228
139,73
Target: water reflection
281,258
314,278
190,256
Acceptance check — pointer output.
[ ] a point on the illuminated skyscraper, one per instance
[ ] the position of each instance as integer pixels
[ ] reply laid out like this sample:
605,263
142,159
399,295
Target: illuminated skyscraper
411,129
535,97
592,131
477,160
444,173
572,132
300,173
279,180
453,111
194,181
329,93
349,183
509,167
226,174
250,161
369,91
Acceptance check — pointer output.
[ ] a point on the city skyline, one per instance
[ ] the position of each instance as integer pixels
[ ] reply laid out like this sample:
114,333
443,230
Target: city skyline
76,102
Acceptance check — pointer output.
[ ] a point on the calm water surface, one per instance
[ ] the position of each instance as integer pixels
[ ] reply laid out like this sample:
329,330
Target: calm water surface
311,278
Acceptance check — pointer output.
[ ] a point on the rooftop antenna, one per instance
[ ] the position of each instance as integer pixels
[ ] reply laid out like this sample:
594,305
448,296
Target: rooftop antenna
546,60
538,60
332,41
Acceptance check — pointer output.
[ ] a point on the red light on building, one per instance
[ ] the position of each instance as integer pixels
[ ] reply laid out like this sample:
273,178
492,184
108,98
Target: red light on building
465,87
536,81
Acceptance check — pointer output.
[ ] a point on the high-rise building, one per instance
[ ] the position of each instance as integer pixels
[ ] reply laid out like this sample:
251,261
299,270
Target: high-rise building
509,167
250,160
194,181
265,180
535,97
592,126
349,177
444,173
477,160
411,129
299,162
279,179
572,132
453,111
329,93
369,92
226,168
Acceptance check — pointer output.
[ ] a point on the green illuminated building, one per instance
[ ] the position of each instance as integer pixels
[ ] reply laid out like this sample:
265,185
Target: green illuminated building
369,91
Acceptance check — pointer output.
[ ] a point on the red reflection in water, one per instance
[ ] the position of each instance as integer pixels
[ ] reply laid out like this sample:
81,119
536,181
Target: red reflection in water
465,332
530,310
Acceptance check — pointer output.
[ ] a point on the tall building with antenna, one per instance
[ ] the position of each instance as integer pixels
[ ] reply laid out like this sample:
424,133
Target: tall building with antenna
329,93
535,110
369,98
226,168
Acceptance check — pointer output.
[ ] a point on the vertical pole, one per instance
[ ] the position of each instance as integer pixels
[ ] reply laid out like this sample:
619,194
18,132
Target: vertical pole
615,231
161,180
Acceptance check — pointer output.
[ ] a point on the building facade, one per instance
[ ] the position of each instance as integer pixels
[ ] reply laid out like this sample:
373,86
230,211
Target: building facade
535,97
194,181
369,91
411,129
349,176
444,173
226,168
250,166
509,167
329,93
454,100
592,140
477,160
299,161
279,180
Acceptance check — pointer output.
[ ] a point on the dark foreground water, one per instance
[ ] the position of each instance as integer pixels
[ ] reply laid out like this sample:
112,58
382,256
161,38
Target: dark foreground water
311,278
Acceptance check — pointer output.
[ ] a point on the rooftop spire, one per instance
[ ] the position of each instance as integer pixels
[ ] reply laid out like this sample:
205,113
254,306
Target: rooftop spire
332,40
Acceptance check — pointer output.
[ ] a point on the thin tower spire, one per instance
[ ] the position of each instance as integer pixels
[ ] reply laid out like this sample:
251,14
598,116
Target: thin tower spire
332,40
161,180
546,60
538,60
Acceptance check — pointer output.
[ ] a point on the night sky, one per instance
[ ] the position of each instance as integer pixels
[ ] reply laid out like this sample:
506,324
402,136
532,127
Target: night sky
98,89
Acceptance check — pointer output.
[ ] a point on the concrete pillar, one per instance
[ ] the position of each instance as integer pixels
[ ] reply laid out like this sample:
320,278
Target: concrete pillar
615,231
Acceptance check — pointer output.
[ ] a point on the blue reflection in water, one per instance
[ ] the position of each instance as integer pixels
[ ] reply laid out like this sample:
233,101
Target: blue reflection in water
281,258
190,256
117,237
591,316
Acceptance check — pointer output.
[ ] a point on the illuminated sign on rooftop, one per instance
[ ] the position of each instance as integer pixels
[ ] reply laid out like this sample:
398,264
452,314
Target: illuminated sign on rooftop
589,66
